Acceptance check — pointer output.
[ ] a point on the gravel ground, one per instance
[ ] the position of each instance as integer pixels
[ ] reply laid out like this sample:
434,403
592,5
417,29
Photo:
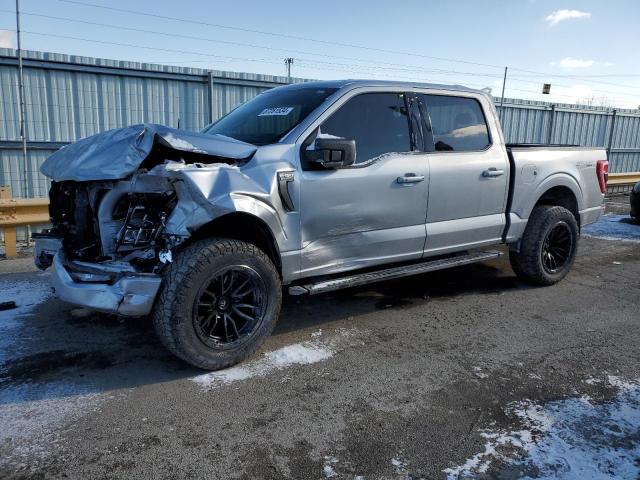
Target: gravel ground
460,373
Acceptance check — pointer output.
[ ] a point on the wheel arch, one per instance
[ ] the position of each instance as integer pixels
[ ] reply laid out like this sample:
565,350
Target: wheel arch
561,196
244,227
560,190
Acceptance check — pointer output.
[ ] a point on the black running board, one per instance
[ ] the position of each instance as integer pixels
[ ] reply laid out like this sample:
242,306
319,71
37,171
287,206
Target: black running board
391,273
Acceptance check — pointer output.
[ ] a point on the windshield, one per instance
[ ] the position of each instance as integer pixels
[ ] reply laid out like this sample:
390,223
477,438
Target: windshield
270,115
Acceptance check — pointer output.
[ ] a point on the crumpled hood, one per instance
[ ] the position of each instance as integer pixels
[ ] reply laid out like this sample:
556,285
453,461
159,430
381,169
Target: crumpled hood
118,153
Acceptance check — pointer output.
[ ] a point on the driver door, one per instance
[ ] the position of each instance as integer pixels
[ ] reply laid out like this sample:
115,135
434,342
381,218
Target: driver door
373,211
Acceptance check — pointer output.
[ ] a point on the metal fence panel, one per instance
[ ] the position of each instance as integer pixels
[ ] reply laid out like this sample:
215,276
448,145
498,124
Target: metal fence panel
71,97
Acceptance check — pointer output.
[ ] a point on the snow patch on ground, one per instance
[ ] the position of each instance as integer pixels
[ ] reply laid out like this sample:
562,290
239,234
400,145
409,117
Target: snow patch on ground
613,227
399,465
328,470
27,295
575,438
304,353
32,414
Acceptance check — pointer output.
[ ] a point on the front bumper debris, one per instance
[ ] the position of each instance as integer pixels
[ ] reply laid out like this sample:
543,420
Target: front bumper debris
124,293
47,245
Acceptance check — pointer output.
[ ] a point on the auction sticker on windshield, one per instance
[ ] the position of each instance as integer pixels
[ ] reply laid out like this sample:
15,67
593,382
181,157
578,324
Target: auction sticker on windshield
275,111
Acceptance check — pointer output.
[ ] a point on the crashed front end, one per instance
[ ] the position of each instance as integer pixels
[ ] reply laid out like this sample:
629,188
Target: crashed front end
120,203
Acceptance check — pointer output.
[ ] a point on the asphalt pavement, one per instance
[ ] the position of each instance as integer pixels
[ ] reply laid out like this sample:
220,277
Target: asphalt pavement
461,373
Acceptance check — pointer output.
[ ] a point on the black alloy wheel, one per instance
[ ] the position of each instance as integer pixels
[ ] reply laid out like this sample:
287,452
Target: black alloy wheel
557,247
230,307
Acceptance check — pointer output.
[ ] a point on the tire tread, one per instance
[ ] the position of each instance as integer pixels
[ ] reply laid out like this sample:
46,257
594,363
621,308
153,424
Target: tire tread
178,279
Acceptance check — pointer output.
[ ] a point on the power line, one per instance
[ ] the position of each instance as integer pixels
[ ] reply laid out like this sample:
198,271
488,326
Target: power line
170,50
576,78
274,34
325,42
227,42
411,68
309,63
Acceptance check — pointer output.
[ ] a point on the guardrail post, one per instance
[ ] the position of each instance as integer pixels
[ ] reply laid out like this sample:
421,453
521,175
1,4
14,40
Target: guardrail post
19,212
10,242
10,237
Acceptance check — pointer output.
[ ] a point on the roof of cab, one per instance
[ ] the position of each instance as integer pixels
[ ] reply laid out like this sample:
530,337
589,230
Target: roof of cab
379,83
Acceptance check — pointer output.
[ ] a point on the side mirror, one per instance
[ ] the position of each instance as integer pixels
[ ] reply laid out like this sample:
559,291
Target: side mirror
332,152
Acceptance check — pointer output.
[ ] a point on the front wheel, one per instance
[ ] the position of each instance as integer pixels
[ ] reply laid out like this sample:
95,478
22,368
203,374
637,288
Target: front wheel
219,301
548,246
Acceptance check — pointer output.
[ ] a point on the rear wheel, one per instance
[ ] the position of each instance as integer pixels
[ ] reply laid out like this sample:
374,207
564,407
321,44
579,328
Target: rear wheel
219,301
548,246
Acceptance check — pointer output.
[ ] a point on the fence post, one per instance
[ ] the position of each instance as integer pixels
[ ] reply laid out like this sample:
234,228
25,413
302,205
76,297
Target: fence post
552,121
613,126
210,95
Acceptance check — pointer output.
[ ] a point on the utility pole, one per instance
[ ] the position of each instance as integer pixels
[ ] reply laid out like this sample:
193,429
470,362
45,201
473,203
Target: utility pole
288,62
504,82
23,135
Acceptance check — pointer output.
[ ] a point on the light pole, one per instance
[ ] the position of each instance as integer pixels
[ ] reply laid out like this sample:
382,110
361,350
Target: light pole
504,82
23,136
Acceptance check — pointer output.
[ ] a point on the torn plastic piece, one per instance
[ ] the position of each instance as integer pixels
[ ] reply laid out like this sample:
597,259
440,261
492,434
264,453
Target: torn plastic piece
165,256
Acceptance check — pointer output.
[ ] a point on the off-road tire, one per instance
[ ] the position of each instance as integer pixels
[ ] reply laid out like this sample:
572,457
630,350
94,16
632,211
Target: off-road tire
184,277
527,263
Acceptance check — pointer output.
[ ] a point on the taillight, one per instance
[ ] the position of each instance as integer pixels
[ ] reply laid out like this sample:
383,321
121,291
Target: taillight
602,170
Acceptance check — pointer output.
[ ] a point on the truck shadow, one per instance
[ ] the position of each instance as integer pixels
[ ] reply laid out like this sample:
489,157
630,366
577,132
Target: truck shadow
482,278
63,351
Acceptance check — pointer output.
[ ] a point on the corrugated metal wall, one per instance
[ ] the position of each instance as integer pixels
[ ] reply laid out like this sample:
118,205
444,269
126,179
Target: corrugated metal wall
69,97
526,121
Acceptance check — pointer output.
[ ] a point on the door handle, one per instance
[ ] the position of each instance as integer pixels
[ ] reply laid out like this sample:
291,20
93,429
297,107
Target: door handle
410,178
492,172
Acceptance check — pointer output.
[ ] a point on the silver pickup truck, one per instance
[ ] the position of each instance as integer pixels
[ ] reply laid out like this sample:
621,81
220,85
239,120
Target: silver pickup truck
314,187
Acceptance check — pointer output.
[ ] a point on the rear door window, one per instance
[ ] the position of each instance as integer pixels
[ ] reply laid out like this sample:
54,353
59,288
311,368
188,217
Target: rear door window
378,122
457,123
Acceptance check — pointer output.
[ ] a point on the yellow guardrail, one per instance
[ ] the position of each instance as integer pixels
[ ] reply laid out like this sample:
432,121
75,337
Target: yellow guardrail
616,179
19,212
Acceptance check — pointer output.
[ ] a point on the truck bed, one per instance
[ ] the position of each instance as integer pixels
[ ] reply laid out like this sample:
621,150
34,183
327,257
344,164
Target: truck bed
535,168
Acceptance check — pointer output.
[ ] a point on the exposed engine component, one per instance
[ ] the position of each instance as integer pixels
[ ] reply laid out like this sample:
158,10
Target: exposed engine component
106,222
73,218
142,217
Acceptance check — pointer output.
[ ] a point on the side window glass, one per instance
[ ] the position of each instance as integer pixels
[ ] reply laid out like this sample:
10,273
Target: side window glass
458,123
378,123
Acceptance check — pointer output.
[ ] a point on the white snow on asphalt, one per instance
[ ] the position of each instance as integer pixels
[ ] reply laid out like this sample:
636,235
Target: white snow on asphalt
613,227
27,295
303,353
31,414
569,439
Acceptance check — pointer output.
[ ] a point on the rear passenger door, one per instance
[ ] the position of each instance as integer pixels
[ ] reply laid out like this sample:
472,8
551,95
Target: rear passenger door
469,173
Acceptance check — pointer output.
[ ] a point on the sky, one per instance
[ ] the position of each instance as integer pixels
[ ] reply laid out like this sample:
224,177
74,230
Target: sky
587,50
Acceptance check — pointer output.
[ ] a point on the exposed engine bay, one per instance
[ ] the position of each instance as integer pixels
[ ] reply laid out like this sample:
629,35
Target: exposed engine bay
112,221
